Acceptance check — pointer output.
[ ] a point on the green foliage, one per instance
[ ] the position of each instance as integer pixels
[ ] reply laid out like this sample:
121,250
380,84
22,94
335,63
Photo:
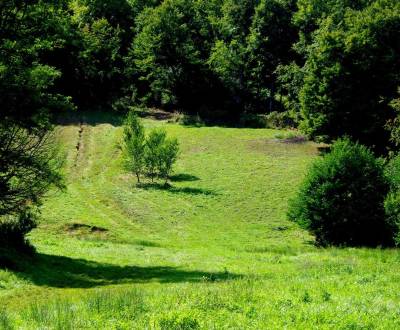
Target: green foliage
253,120
29,162
332,65
161,154
279,120
290,80
155,154
269,45
204,56
341,201
30,166
392,202
169,53
134,144
350,76
255,37
168,155
154,144
99,62
178,322
14,228
393,124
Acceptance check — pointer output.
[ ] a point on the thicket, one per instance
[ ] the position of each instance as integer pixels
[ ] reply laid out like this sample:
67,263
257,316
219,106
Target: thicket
29,163
330,67
153,155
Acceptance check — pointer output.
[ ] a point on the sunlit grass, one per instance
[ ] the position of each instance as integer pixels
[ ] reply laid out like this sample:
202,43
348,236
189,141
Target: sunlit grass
214,251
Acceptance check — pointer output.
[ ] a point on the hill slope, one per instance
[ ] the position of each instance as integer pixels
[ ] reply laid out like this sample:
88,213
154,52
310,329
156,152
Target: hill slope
213,251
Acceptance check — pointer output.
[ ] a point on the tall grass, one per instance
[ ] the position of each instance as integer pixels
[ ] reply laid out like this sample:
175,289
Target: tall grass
5,320
99,309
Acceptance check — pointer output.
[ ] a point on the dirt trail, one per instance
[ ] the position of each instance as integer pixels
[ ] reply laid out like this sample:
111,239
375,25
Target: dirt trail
79,145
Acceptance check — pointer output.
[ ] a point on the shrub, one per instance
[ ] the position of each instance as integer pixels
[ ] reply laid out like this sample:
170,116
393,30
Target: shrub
279,120
342,198
154,144
161,154
14,228
252,120
154,155
167,157
134,144
191,120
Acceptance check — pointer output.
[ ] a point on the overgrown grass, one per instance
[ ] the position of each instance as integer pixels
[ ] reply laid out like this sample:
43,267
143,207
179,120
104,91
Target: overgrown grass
214,251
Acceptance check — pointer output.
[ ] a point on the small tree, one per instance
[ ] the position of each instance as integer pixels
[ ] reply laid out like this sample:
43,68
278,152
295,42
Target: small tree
154,149
168,155
342,198
134,144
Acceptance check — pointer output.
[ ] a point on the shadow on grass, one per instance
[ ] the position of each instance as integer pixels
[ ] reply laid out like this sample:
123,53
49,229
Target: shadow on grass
177,190
64,272
147,243
91,118
182,177
156,114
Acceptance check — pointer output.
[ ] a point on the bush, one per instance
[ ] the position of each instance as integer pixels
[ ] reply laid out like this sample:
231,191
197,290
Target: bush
154,145
191,120
167,157
342,198
154,155
14,228
161,154
279,120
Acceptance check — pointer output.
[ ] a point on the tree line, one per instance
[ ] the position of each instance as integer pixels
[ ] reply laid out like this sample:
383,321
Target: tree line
329,67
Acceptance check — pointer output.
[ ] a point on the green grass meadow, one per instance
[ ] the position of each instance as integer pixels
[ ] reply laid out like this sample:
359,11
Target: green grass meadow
213,251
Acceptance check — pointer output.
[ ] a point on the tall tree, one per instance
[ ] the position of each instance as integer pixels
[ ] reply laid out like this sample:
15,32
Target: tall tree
351,75
28,163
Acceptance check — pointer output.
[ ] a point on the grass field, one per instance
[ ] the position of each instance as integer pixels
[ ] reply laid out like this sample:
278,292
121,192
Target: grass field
214,251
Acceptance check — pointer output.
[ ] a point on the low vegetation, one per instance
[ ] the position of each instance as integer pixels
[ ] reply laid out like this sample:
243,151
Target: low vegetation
213,251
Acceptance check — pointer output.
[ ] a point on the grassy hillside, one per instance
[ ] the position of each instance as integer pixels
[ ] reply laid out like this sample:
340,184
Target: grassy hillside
214,251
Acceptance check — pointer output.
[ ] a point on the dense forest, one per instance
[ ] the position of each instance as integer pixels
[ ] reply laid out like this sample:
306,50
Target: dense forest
329,67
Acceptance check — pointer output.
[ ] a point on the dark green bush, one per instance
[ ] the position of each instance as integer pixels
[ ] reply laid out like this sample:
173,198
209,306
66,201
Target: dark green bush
252,120
342,198
14,228
191,120
279,120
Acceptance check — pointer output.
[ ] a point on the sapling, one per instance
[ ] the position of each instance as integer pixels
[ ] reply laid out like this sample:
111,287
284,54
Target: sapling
134,145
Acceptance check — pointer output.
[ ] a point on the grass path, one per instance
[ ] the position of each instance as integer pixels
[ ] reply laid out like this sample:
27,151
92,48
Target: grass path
214,252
